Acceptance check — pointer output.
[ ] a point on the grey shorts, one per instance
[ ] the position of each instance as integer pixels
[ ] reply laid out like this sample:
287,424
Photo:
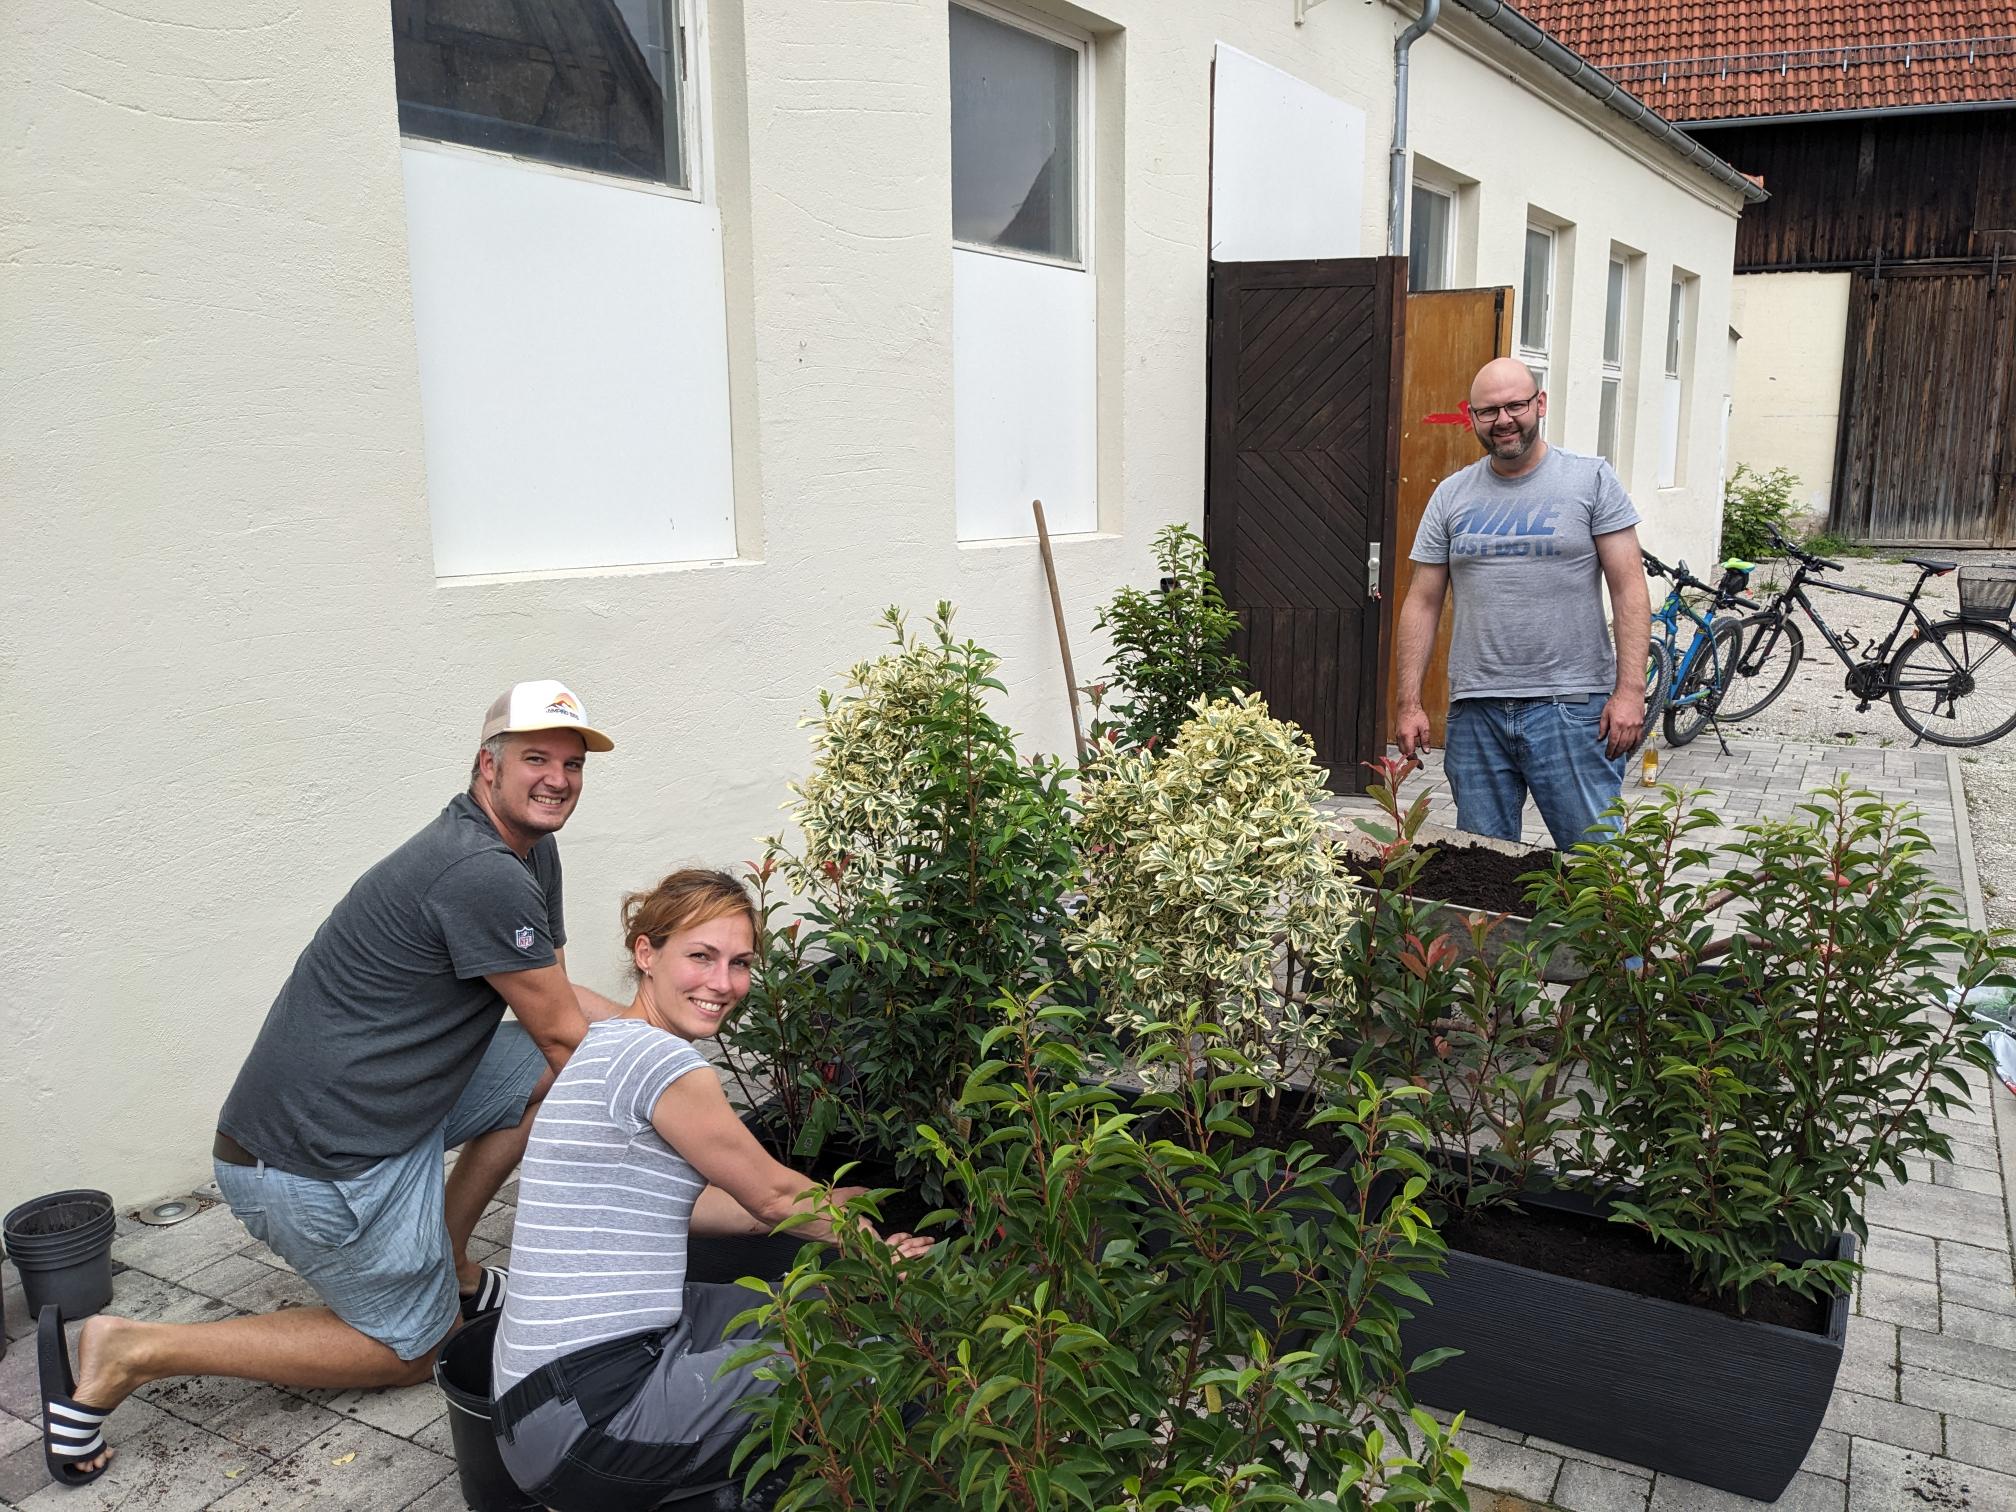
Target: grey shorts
375,1245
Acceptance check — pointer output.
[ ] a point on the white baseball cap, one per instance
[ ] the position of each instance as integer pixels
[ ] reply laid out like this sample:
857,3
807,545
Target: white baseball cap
541,705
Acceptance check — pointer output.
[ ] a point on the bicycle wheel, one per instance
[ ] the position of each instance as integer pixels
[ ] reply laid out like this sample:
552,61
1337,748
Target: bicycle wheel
1700,690
1955,684
1658,678
1767,654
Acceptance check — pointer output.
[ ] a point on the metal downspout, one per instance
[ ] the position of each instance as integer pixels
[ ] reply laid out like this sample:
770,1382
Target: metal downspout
1396,207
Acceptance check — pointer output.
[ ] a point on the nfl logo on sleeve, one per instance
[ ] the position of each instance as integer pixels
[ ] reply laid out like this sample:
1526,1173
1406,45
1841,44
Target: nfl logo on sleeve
523,938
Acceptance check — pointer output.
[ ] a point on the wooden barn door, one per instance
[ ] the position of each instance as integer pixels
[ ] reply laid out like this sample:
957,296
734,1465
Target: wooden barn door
1298,511
1450,334
1927,453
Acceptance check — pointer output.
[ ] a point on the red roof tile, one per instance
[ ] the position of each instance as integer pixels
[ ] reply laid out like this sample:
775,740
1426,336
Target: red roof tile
1703,60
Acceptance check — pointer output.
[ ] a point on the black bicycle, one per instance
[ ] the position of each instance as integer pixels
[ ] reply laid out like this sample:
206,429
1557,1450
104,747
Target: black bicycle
1952,681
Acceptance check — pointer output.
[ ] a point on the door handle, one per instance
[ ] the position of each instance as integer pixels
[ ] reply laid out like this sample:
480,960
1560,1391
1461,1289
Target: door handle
1372,571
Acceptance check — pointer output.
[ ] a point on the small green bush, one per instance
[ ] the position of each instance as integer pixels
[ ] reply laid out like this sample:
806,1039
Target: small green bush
1170,648
1753,505
1081,1342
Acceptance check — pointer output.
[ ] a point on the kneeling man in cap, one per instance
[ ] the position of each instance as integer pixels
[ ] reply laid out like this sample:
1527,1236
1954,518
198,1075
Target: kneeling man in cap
385,1048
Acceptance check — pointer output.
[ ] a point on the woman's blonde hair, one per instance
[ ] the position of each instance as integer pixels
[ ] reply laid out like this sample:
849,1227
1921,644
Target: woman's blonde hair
690,896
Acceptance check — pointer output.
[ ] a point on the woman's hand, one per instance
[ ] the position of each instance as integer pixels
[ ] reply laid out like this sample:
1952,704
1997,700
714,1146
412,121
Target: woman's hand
908,1246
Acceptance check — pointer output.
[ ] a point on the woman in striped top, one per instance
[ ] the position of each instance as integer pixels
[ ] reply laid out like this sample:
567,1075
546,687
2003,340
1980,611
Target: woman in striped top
605,1362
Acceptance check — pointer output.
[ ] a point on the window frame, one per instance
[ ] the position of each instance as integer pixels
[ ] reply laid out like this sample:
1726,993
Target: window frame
1446,274
1540,358
1611,387
1677,378
1081,42
686,58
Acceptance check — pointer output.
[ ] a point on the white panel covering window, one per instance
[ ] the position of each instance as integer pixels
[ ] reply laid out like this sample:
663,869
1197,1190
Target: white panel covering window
568,300
1431,233
1024,306
1673,396
1536,303
1611,405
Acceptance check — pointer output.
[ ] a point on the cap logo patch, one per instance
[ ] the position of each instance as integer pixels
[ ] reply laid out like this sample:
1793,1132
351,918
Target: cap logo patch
563,704
523,938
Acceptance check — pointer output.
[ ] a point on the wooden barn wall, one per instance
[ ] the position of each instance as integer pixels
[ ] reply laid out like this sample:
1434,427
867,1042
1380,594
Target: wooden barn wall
1906,188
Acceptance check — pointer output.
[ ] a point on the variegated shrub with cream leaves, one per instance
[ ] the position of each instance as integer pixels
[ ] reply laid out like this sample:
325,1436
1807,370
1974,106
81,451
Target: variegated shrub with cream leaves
1213,884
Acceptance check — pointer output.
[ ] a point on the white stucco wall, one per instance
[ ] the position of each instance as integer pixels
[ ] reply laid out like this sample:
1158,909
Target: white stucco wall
1788,378
1537,148
235,678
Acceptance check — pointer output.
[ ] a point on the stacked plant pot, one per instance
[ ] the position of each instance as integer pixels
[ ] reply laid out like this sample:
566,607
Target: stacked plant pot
62,1246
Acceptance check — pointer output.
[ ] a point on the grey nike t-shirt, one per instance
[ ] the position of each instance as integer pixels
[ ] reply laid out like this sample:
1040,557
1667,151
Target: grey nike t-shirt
1524,575
386,1013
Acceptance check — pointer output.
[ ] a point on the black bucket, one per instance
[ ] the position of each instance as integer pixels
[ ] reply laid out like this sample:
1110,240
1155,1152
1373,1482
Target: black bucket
463,1373
62,1245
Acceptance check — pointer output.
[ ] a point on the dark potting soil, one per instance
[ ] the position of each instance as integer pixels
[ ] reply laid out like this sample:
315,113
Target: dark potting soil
902,1210
1475,877
1586,1248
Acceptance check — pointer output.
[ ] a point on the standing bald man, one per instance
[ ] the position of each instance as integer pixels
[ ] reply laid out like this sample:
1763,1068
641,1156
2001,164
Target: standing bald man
1539,701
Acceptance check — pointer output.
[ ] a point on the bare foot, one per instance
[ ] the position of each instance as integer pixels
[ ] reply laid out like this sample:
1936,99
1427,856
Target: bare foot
107,1368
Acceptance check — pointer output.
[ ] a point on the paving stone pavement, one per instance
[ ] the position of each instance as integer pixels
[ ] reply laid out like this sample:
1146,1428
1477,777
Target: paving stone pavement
1923,1417
1924,1412
215,1442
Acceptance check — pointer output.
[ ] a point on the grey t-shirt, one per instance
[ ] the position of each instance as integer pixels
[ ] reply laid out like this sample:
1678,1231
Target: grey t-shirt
604,1204
1524,575
386,1013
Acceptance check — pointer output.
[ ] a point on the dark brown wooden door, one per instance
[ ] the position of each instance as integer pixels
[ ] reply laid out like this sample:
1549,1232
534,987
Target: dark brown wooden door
1450,334
1927,454
1304,459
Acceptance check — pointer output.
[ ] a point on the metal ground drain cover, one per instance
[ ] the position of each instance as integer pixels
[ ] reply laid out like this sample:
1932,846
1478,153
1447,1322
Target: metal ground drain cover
174,1210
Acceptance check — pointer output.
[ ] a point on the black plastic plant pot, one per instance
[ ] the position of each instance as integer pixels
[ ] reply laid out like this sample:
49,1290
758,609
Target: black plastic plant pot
62,1246
462,1371
720,1259
1732,1403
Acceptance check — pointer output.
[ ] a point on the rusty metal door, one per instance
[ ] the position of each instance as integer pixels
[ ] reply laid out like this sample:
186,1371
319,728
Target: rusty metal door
1927,450
1303,463
1450,334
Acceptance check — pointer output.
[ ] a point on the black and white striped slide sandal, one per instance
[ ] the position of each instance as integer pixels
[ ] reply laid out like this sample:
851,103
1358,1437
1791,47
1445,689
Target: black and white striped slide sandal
489,1294
71,1432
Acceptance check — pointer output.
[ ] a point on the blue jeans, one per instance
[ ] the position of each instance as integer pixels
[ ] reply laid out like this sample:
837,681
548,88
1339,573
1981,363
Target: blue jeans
1499,749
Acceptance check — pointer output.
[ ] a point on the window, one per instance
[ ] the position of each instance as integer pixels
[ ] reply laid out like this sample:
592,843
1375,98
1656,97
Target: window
592,84
1430,239
1536,302
1025,298
1015,138
1679,356
1613,362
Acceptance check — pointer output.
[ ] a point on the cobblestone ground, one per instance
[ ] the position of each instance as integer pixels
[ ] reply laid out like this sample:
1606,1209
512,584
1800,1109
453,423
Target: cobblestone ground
233,1445
1924,1412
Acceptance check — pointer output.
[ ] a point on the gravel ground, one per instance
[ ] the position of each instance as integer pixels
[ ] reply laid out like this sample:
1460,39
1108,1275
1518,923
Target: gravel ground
1816,708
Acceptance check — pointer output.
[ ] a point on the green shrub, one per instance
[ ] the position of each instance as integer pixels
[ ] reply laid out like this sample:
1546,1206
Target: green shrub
1753,505
1080,1343
1170,648
1755,1085
931,869
1431,1000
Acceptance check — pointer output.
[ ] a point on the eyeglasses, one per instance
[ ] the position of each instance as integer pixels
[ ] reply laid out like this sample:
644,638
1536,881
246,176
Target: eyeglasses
1489,413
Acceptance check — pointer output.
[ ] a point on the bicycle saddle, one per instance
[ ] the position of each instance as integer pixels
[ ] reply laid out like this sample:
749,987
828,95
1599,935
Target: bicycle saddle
1942,568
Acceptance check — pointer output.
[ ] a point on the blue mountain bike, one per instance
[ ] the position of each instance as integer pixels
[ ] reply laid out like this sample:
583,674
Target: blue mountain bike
1684,684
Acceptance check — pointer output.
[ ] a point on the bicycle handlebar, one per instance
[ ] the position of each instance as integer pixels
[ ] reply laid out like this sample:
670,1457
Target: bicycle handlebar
1801,553
1678,572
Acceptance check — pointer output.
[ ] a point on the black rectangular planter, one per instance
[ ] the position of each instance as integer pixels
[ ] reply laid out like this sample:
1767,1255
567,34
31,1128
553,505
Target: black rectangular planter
1727,1402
